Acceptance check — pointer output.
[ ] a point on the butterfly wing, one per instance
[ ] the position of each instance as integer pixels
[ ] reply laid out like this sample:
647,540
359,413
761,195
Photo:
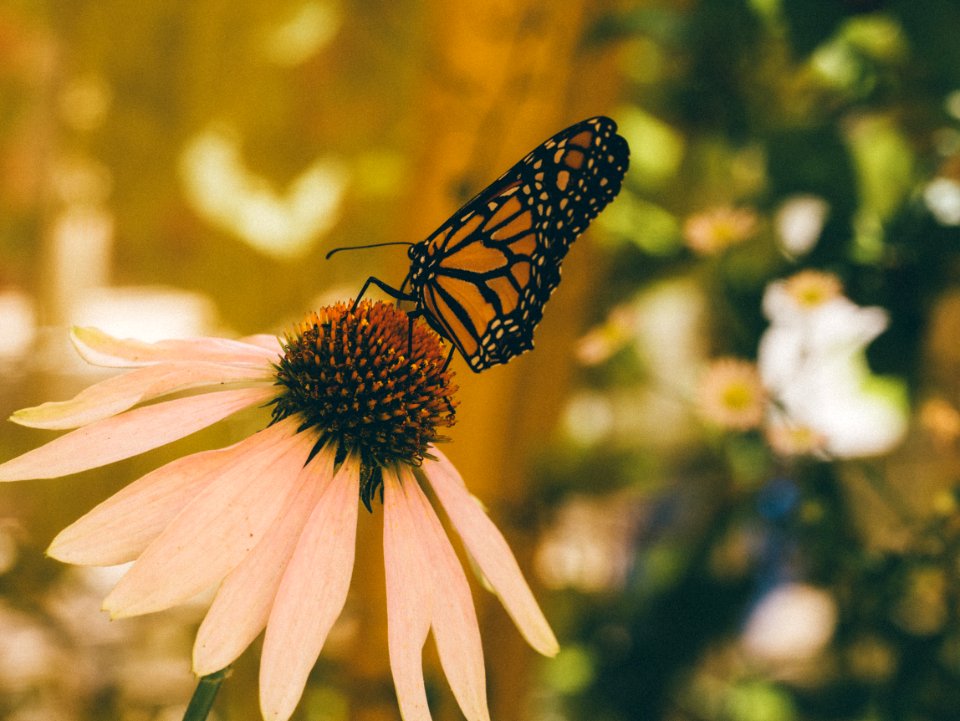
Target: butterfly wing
484,276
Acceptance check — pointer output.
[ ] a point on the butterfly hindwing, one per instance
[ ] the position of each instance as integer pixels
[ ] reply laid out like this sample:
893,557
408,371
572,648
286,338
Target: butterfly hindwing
483,277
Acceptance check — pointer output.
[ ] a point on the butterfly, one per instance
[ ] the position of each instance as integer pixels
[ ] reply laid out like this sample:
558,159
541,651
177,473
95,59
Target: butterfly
481,280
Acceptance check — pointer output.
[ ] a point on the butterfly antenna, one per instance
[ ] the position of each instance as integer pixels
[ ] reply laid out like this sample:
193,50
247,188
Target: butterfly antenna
362,247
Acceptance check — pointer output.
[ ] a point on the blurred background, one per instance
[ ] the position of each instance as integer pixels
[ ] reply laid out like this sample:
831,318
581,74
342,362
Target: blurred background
729,468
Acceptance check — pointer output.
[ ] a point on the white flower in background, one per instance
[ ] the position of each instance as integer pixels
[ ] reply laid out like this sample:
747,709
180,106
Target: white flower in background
942,197
812,362
792,623
799,222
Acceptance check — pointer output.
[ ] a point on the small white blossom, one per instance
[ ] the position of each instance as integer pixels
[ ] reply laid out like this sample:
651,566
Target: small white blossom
812,361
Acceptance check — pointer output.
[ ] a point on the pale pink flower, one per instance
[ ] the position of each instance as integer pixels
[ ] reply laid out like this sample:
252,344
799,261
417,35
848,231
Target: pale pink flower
716,229
271,520
788,438
731,394
941,420
603,341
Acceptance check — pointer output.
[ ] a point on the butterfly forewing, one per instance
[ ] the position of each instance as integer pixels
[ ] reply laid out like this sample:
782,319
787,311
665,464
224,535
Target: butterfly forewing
483,277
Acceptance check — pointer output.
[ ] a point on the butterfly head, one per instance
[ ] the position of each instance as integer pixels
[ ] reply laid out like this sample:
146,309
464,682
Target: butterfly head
423,261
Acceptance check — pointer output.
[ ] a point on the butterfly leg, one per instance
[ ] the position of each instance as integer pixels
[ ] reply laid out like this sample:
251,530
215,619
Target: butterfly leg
446,363
395,293
411,317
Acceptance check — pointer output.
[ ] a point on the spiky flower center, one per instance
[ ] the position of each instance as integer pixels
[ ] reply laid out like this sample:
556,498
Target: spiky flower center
370,379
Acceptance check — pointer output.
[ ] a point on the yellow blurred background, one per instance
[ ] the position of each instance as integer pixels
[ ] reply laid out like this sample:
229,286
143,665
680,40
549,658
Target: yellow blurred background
171,169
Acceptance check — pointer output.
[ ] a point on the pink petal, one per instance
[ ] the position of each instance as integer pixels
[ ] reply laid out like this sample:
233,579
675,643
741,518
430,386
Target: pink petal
242,605
219,527
120,528
99,348
264,340
117,394
491,553
409,597
454,620
129,434
311,595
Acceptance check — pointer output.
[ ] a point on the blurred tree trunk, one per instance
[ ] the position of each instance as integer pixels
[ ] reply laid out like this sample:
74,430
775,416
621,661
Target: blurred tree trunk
505,76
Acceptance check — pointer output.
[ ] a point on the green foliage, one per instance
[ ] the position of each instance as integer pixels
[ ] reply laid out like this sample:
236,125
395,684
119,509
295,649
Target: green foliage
757,105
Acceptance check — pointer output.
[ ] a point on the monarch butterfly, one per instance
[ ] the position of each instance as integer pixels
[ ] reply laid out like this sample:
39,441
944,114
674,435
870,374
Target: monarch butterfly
481,279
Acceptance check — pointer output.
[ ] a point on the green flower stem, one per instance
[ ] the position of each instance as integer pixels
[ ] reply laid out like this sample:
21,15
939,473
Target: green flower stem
205,694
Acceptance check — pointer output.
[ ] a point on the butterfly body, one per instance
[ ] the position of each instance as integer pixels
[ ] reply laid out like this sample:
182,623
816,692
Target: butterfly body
481,279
